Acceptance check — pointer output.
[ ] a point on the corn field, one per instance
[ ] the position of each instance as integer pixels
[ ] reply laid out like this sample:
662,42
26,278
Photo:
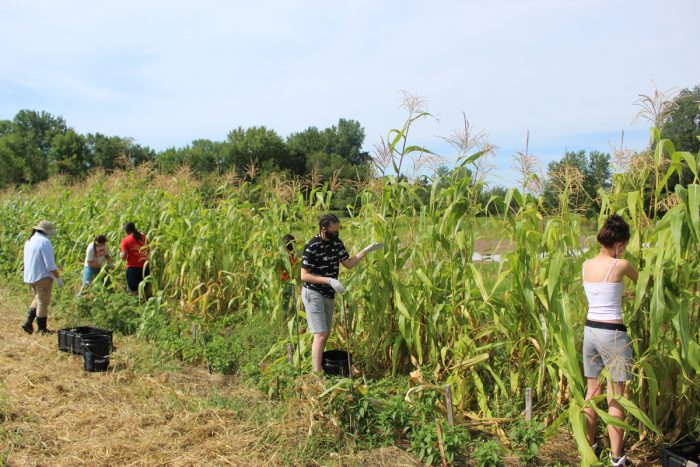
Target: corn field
489,329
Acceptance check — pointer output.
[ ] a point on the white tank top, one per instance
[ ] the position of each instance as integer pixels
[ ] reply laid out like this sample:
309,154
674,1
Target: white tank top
604,298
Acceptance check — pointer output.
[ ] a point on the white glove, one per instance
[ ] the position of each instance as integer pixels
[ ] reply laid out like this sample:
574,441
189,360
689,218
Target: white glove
373,247
337,286
59,282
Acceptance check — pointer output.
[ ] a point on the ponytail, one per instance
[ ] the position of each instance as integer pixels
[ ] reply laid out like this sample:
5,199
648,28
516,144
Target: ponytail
130,228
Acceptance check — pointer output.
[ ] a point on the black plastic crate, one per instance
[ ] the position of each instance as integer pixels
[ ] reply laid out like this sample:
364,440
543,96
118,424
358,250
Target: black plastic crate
682,455
69,340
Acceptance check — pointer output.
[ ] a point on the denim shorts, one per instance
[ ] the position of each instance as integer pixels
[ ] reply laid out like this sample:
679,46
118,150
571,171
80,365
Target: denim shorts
607,348
319,310
89,274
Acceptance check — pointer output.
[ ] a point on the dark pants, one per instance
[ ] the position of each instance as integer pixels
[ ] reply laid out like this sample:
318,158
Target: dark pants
134,276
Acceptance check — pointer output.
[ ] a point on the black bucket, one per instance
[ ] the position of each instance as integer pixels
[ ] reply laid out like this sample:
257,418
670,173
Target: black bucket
93,362
98,344
681,455
335,363
70,339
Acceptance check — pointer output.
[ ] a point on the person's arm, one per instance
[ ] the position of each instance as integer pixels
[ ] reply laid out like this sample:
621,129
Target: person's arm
122,249
307,277
106,255
352,262
630,271
50,260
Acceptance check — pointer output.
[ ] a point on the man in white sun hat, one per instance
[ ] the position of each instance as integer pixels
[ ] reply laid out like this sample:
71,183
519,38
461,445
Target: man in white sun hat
40,272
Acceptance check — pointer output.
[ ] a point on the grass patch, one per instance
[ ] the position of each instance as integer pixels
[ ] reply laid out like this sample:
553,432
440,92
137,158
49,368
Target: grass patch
8,437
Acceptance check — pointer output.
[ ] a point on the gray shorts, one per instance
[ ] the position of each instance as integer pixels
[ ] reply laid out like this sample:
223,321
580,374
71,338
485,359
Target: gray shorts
319,310
609,349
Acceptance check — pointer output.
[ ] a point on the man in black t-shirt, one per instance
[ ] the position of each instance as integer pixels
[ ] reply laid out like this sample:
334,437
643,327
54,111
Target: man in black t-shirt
320,266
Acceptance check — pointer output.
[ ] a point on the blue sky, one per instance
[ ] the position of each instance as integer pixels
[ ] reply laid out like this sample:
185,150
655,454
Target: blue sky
168,72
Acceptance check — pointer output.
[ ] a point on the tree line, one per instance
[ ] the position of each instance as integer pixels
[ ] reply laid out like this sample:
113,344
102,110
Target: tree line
36,145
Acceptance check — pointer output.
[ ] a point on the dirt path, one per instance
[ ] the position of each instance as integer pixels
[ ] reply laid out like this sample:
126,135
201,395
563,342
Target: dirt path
57,414
141,412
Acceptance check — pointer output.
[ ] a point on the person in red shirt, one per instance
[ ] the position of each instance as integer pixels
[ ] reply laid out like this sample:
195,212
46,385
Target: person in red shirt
134,252
289,241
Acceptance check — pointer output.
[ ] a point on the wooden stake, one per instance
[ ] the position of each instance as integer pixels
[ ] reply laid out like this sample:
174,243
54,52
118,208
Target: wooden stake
290,353
448,405
528,404
194,333
206,357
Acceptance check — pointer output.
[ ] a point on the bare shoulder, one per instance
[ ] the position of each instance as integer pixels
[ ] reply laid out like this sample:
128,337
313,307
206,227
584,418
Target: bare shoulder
625,265
628,269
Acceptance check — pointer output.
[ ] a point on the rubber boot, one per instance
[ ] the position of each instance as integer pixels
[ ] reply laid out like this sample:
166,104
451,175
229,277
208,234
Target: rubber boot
41,325
28,325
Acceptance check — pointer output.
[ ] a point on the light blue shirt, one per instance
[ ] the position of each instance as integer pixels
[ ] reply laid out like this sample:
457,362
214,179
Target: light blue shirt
39,259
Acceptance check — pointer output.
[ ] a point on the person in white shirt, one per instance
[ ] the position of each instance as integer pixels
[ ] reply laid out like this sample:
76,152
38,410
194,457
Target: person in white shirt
606,344
96,256
40,272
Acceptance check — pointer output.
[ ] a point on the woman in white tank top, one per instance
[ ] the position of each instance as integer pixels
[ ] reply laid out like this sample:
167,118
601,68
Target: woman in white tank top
605,340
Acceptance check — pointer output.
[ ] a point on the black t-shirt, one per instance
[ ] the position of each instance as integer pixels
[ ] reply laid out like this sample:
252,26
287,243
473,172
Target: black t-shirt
323,258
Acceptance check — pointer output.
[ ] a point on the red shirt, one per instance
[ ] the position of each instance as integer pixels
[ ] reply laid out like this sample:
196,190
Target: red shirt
284,275
135,255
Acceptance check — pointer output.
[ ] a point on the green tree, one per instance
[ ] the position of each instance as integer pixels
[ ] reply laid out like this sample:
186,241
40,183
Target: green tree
31,135
577,177
137,154
203,156
257,145
598,172
105,151
326,166
206,156
681,124
5,127
12,167
344,140
170,159
301,145
442,171
41,126
68,154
